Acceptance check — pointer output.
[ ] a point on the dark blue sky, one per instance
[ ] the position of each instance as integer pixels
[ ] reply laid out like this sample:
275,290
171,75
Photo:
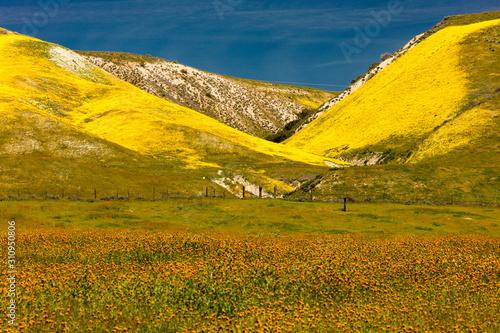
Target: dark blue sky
304,42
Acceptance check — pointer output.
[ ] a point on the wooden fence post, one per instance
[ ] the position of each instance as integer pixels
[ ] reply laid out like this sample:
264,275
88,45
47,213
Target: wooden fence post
224,194
275,191
311,194
243,192
345,204
260,191
95,194
206,192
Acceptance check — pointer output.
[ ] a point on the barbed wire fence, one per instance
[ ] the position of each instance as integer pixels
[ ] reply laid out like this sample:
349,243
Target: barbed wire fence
456,198
95,194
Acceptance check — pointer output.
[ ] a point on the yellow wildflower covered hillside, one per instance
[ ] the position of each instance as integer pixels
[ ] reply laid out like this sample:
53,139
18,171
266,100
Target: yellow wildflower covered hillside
417,106
49,80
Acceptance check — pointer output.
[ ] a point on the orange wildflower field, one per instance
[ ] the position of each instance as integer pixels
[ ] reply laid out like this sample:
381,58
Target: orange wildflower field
98,280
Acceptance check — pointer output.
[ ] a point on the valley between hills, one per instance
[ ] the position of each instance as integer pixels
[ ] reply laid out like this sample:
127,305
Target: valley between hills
422,123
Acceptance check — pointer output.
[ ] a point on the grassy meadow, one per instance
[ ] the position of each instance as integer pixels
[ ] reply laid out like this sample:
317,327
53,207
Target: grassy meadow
257,265
255,216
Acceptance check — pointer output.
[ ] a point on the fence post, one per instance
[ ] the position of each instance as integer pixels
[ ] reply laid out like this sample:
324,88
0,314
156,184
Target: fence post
275,191
214,193
243,192
260,191
46,192
154,193
224,194
206,192
345,204
62,194
311,194
95,194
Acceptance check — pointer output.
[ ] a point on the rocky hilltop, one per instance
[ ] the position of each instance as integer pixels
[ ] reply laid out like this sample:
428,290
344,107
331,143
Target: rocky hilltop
257,108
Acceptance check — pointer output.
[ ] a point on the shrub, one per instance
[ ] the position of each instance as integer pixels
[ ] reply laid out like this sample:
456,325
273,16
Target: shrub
375,64
280,136
291,124
385,56
356,79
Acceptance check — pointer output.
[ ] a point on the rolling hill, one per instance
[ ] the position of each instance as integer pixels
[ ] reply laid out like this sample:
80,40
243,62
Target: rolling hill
420,106
66,122
429,122
257,108
376,67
